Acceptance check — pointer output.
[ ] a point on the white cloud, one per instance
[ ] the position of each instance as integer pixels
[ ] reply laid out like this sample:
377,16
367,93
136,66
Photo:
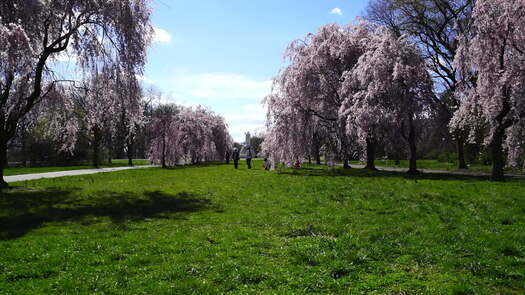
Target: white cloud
337,11
237,97
248,118
251,112
170,98
238,131
221,86
161,36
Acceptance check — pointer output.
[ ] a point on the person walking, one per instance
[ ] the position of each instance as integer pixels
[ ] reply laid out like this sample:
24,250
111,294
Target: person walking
249,155
236,157
227,156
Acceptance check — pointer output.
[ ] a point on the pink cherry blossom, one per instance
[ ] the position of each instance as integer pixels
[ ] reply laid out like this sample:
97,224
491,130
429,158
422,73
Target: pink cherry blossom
493,58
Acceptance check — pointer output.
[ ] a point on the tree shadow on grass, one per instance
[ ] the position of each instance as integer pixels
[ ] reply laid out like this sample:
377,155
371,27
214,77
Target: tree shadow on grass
22,210
364,173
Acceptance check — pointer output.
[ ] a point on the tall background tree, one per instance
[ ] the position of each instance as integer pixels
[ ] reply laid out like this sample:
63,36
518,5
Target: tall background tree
182,135
387,93
302,111
493,54
434,25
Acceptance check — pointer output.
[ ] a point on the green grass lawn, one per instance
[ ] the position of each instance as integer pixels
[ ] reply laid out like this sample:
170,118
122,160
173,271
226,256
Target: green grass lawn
213,230
115,163
435,165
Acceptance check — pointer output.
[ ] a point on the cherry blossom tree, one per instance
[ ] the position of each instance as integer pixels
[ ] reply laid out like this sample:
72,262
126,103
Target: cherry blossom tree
203,135
434,26
131,106
114,93
98,104
303,108
185,135
386,92
494,55
288,137
162,146
102,103
33,33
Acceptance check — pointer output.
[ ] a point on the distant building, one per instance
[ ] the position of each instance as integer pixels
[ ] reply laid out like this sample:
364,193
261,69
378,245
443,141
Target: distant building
247,143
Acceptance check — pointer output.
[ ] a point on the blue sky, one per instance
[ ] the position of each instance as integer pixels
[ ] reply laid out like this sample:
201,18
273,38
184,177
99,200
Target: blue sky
222,54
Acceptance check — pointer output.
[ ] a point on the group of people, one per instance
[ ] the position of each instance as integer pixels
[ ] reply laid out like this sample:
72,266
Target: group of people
236,156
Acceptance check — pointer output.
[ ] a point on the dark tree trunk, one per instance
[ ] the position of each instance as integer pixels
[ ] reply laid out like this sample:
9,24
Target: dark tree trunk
460,148
346,164
498,163
163,159
310,160
110,148
130,151
397,162
496,144
3,164
317,157
412,146
370,154
24,149
96,147
8,128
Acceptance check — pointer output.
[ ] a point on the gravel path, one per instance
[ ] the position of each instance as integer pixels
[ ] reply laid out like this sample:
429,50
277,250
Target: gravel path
25,177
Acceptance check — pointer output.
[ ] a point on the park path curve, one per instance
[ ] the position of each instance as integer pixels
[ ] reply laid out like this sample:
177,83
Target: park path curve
24,177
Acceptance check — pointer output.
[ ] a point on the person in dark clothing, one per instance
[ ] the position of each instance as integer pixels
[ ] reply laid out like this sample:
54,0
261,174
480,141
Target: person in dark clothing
236,157
249,155
227,156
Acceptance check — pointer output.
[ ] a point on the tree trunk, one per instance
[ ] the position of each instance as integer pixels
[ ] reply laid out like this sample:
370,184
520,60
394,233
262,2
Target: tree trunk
498,163
310,160
3,164
317,157
24,148
163,158
346,164
370,154
496,144
412,146
460,147
129,152
96,147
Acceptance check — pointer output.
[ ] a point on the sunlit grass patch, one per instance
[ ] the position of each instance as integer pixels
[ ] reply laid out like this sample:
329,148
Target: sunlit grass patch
213,229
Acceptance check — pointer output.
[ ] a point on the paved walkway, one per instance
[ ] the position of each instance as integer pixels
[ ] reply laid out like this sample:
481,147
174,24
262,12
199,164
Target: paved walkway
449,172
25,177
